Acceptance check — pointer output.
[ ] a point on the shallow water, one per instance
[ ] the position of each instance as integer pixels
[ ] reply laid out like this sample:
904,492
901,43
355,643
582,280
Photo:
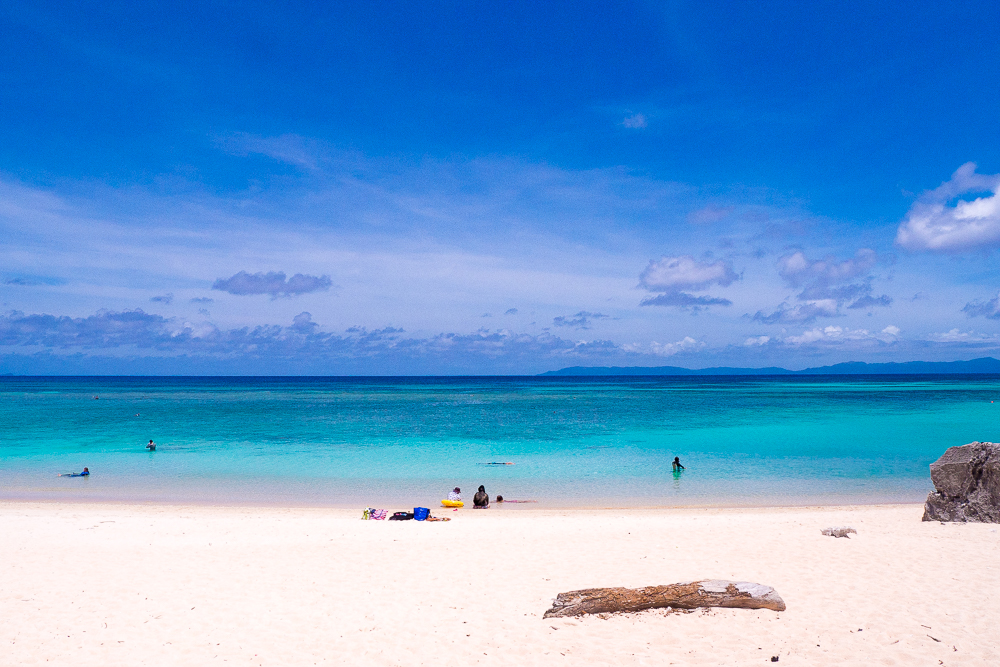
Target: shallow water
407,441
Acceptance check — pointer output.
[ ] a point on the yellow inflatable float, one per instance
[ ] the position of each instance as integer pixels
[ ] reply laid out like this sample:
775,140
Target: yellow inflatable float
452,503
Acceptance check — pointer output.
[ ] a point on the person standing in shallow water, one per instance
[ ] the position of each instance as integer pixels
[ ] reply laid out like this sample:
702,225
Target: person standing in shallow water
676,465
151,446
481,501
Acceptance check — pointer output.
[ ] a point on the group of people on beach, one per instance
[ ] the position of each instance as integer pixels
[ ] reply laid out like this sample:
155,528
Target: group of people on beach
480,501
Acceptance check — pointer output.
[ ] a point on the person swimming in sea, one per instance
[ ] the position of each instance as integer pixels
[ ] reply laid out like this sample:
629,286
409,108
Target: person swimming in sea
455,495
676,465
481,501
151,446
85,473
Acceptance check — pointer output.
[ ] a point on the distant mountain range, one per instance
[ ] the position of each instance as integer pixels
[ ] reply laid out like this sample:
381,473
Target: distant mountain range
975,366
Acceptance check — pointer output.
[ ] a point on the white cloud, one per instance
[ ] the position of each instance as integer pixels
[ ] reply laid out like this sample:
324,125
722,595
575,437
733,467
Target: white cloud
635,121
832,335
757,341
956,336
685,272
686,344
670,275
797,270
934,223
824,290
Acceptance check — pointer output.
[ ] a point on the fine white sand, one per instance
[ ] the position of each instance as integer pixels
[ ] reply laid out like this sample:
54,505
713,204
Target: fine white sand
92,584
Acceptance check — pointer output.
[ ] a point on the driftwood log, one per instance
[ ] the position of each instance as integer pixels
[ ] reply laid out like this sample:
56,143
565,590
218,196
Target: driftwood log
687,595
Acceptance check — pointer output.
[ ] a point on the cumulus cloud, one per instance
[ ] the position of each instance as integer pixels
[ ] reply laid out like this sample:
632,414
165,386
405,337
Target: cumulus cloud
686,344
163,298
302,323
832,335
581,320
823,289
797,270
273,283
510,311
757,341
685,272
672,275
102,330
989,309
635,121
939,221
669,349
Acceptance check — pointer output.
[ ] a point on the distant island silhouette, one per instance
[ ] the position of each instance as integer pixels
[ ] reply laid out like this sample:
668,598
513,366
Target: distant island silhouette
985,365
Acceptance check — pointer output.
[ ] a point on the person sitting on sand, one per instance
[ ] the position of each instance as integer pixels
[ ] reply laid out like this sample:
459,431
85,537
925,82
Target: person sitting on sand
481,501
676,465
455,495
151,446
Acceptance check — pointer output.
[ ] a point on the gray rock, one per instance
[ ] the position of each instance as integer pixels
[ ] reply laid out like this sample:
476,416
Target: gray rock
839,531
967,484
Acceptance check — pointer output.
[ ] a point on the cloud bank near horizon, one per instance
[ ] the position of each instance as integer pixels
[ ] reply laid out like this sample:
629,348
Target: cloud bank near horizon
45,343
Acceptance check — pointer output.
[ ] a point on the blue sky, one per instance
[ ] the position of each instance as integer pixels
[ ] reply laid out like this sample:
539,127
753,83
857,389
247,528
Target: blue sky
496,188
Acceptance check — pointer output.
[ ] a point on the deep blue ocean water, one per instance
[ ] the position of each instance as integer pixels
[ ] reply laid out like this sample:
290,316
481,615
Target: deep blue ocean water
407,441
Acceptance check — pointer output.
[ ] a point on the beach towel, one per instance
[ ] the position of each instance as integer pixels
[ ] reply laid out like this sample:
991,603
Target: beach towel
374,514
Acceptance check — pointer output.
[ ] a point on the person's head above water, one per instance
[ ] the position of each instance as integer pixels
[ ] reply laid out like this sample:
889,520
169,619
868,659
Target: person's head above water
86,470
677,459
499,499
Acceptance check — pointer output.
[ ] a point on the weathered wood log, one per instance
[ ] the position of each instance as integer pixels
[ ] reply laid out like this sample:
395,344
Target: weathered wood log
687,595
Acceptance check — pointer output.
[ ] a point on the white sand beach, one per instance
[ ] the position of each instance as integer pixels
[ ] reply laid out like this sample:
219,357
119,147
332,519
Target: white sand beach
95,584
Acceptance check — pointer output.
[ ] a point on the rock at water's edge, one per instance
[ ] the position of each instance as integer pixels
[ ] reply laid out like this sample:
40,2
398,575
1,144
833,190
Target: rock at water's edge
967,484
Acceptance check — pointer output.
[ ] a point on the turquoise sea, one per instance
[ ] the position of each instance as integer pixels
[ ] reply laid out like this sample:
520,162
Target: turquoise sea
404,442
